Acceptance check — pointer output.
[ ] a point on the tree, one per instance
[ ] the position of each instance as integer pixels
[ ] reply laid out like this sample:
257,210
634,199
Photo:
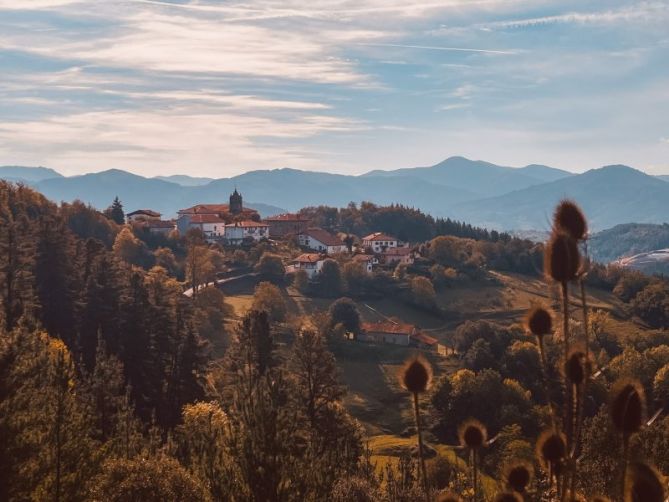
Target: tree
422,293
267,297
152,479
344,311
652,304
330,281
130,249
115,212
661,385
301,281
355,276
271,267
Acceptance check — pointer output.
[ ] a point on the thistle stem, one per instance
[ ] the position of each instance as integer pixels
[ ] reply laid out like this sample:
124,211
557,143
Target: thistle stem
423,472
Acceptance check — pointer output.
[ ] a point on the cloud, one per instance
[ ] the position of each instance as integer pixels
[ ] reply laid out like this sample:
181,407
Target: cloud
437,48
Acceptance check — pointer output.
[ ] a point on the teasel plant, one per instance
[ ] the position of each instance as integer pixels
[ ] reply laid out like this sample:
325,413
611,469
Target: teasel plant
416,376
473,437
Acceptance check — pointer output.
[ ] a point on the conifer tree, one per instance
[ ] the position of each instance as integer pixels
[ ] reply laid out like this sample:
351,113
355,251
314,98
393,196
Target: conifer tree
115,212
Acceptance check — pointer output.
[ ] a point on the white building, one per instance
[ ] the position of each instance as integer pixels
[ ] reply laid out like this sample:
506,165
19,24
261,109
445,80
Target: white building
212,226
366,260
311,263
237,232
395,333
318,239
379,242
396,255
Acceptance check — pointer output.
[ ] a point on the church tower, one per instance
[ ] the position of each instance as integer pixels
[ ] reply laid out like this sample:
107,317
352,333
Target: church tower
236,202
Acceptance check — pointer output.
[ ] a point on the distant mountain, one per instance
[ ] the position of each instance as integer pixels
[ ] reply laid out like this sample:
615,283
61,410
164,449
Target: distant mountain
482,178
27,174
627,240
184,180
663,177
609,196
135,192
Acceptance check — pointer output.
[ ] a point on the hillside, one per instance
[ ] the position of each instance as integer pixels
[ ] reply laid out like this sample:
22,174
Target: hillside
610,196
627,240
184,180
27,174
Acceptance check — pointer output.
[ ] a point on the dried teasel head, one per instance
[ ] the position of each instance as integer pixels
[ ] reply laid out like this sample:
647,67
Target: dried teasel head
539,320
472,434
449,497
561,257
551,448
627,406
518,476
644,484
416,375
507,497
577,368
569,218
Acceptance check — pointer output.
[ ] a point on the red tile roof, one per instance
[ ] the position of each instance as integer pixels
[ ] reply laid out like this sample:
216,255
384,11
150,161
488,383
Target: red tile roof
147,212
206,218
425,339
159,224
323,237
379,236
287,217
308,258
388,327
247,224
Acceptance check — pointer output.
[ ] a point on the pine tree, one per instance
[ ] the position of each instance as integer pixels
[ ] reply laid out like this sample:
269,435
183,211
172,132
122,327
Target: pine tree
115,212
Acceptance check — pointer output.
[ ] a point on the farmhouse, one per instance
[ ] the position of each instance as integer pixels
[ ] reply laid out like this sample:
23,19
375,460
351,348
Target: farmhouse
161,227
311,263
237,232
142,215
225,212
379,242
423,341
211,225
395,333
286,224
318,239
396,255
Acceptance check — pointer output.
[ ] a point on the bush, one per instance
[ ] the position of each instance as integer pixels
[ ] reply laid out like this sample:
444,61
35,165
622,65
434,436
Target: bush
271,267
344,311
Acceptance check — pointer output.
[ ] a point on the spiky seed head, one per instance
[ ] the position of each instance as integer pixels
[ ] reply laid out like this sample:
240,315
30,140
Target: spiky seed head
551,448
569,218
627,406
472,434
561,257
449,497
416,375
518,476
644,484
539,320
576,367
507,497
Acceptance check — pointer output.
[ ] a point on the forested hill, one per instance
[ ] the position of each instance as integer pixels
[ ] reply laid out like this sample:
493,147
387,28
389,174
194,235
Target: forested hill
627,240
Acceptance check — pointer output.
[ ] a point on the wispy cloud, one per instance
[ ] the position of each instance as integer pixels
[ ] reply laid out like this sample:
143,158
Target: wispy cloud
439,48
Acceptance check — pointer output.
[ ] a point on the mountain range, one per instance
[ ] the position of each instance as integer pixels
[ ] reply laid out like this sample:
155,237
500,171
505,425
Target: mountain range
478,192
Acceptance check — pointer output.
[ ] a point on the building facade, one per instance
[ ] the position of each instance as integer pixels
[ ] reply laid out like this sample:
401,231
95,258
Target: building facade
318,239
379,242
283,225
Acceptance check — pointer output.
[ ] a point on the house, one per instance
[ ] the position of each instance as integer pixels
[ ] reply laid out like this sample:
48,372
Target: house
395,333
366,260
142,215
311,263
211,225
233,211
379,242
160,227
397,255
318,239
237,232
286,224
423,341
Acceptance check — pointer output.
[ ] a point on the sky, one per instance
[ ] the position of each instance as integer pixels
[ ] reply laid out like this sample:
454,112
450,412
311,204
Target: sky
218,88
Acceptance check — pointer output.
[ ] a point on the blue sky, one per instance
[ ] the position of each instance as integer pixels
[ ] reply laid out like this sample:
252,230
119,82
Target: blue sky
218,88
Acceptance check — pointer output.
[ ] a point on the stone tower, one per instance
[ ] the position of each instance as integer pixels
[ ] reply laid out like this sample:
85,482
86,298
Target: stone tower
235,202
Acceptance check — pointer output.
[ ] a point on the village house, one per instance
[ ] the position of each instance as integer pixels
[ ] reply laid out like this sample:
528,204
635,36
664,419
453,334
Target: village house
161,227
311,263
395,333
318,239
379,242
211,225
423,341
286,224
396,255
142,215
366,260
228,213
239,231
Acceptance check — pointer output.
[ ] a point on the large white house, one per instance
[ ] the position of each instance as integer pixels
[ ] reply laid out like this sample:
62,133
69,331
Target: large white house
379,242
395,333
237,232
311,263
212,226
318,239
